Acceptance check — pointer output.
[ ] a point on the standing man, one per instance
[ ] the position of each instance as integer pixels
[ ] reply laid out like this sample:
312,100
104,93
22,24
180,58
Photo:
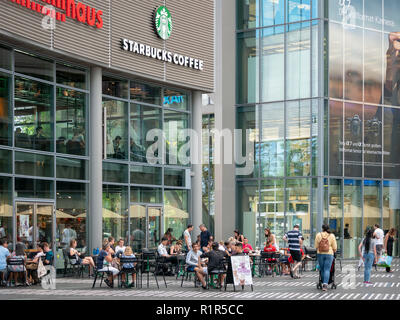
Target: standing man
187,237
68,234
294,239
204,237
379,236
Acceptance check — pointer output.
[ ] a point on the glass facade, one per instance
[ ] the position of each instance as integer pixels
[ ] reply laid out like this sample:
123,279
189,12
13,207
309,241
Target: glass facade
315,133
141,188
45,160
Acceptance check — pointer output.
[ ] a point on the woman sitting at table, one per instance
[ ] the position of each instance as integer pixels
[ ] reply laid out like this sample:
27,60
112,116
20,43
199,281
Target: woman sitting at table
76,258
14,271
128,267
177,248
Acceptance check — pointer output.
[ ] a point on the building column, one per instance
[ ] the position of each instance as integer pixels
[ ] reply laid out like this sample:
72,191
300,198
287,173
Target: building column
225,115
95,213
197,170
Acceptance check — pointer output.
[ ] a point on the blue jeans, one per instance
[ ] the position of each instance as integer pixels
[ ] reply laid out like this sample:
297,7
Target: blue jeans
369,261
325,263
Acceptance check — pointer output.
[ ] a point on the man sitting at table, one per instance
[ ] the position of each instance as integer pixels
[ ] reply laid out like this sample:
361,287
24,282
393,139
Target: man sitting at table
215,263
247,248
106,255
194,262
162,252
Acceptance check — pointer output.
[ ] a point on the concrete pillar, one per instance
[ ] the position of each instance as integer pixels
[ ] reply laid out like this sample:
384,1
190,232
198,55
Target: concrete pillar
225,115
197,173
95,214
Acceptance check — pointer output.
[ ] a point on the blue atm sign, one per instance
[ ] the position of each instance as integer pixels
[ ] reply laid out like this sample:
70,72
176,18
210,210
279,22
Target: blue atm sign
173,100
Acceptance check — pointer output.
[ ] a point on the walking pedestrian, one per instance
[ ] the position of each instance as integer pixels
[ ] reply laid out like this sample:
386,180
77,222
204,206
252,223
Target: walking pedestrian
325,243
379,236
294,239
367,250
389,240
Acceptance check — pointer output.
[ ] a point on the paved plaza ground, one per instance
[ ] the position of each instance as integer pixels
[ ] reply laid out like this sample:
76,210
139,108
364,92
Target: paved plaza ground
386,286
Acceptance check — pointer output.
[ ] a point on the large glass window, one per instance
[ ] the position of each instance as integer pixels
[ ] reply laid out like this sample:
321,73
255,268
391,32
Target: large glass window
248,67
352,205
175,99
34,189
28,164
176,211
248,14
335,208
6,210
299,206
115,87
71,215
336,143
33,115
5,110
115,172
391,147
247,203
115,212
72,77
298,10
74,169
248,122
272,65
145,93
391,209
5,58
32,66
372,203
174,125
146,195
146,175
353,139
142,120
5,161
372,142
116,123
272,140
71,122
272,210
335,60
298,135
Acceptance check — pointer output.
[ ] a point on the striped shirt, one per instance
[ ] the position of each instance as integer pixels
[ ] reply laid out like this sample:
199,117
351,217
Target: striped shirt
294,237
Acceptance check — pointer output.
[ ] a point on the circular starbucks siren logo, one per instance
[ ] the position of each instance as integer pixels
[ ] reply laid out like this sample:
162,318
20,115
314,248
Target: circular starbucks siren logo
163,22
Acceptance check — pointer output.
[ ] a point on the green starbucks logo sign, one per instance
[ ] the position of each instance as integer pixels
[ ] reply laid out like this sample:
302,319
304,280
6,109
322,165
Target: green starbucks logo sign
163,22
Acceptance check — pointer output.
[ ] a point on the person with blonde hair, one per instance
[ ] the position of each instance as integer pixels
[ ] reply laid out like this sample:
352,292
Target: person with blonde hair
128,267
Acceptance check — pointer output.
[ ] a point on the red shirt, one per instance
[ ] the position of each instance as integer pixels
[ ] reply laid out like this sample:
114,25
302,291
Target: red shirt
247,248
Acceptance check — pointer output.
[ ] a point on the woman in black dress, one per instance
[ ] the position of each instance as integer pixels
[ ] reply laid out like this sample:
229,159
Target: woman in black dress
389,240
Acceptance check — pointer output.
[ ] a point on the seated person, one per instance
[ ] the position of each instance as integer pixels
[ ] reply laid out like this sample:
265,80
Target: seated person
4,254
177,248
14,271
269,247
48,260
76,258
162,252
128,267
239,249
247,248
194,263
221,246
216,260
120,248
104,261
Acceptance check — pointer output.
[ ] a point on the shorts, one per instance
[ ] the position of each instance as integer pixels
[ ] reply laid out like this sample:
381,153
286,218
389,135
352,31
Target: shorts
191,268
109,269
296,255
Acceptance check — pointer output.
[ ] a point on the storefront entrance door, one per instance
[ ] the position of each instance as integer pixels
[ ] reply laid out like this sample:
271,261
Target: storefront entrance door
34,223
145,227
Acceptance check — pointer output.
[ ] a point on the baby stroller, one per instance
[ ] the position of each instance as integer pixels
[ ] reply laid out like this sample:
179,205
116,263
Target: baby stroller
331,277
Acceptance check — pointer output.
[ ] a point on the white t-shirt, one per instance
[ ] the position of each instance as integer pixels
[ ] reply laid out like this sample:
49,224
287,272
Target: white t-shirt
379,236
187,234
118,248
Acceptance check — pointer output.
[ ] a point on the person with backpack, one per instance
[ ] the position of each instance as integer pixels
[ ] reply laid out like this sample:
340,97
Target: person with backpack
325,243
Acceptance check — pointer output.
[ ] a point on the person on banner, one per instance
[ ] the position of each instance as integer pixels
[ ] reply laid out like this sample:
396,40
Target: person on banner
294,239
389,240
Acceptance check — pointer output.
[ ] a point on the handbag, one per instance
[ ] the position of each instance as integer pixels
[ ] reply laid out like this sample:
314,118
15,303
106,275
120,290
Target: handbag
384,261
41,270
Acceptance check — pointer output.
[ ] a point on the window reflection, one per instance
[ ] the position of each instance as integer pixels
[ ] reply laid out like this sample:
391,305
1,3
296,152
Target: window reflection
30,65
298,10
176,213
5,110
71,122
33,114
142,120
116,123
